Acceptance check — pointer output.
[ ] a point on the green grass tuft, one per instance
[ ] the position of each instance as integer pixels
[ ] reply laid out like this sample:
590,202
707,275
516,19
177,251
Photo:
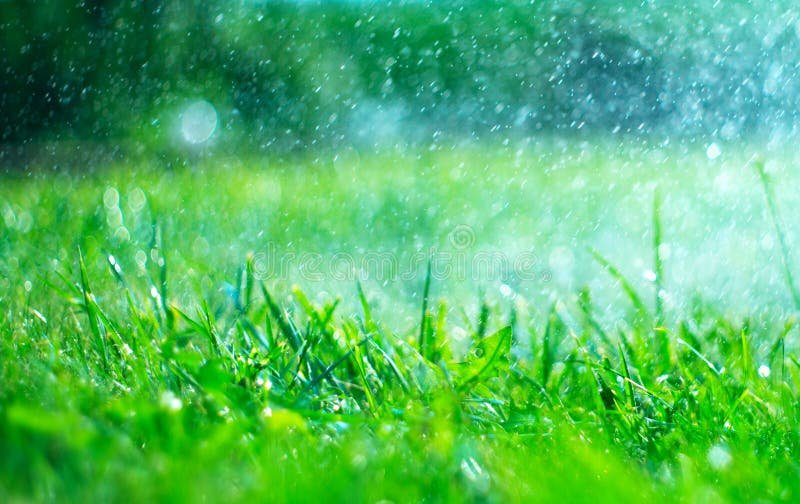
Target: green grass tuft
226,381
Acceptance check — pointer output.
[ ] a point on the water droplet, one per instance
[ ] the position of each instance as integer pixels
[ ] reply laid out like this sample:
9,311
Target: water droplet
713,151
764,371
170,401
471,469
141,258
198,122
719,456
137,200
111,198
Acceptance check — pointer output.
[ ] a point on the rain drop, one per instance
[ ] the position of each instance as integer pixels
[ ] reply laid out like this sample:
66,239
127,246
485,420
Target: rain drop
198,122
713,151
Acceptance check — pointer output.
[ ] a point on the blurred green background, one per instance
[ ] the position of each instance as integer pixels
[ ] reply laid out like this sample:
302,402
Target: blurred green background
289,75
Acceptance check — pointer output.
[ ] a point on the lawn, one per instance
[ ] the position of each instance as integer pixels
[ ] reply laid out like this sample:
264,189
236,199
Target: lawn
560,320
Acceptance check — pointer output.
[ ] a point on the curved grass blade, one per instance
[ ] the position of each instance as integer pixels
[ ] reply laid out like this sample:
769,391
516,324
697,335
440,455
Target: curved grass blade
91,312
657,262
641,309
288,330
494,347
776,222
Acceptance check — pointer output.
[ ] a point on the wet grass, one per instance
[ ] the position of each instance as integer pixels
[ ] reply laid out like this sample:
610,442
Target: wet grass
144,354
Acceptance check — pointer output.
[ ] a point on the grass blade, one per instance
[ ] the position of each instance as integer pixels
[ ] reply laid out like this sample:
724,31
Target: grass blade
641,309
747,364
776,222
91,312
283,325
368,322
547,353
657,262
499,344
423,331
628,379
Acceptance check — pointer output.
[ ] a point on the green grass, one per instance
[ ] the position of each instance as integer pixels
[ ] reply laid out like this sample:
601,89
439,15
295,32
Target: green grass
144,354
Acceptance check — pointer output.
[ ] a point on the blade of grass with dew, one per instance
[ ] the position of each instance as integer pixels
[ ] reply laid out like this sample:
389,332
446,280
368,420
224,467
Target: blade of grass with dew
483,318
747,361
91,313
628,379
328,371
492,348
392,364
283,325
660,332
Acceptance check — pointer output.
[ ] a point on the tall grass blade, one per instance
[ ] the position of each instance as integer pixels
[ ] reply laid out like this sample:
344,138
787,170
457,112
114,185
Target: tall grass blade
91,312
657,262
776,222
328,371
700,356
162,277
483,319
423,331
392,365
249,281
641,309
283,325
628,379
585,305
547,354
368,322
747,364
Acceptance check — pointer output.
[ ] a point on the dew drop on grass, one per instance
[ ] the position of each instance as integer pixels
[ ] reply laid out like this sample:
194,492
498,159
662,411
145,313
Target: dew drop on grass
475,474
111,198
140,258
170,401
719,456
136,200
471,469
764,371
24,222
114,264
